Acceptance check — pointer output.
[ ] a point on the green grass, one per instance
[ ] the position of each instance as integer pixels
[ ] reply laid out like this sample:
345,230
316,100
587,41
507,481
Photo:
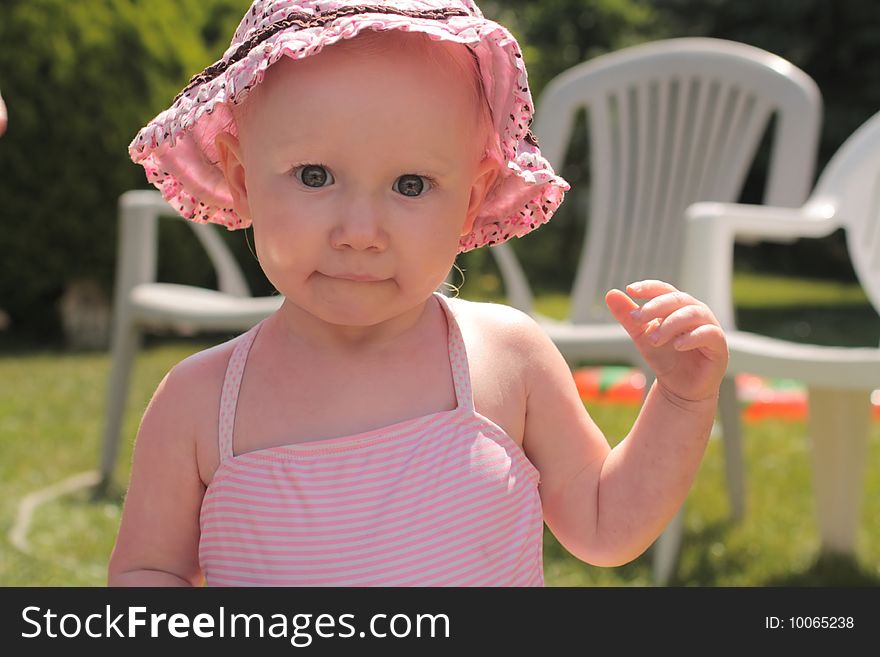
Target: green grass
750,290
811,311
51,410
763,291
815,312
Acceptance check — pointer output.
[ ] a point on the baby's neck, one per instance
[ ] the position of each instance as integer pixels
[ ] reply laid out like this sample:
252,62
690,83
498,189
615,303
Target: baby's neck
302,328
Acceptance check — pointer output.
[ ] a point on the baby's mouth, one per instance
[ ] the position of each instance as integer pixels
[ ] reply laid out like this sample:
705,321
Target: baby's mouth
358,278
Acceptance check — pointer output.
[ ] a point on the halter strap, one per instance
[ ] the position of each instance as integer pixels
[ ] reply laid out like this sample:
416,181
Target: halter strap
231,388
458,360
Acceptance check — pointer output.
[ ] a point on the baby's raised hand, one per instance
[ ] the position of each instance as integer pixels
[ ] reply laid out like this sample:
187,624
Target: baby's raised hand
677,335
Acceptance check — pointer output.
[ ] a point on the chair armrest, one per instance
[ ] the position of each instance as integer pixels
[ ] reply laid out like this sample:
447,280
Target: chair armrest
815,219
712,228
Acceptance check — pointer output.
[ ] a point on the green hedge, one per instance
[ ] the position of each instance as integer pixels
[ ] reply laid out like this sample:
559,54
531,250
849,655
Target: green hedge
79,78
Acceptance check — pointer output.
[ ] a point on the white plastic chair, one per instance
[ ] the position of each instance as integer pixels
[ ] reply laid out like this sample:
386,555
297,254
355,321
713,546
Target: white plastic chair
839,380
141,303
670,123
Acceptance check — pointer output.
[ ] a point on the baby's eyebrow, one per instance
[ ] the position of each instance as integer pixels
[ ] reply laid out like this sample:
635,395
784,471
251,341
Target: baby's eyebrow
300,143
435,164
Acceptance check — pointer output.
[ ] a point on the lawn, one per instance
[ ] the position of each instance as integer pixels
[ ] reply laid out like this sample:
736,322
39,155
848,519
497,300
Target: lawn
51,409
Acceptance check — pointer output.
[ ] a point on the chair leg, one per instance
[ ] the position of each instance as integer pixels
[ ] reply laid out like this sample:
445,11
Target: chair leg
731,428
665,550
839,421
126,342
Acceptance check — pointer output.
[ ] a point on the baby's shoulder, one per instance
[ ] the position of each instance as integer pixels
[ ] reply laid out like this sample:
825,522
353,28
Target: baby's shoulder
497,327
184,409
198,378
186,402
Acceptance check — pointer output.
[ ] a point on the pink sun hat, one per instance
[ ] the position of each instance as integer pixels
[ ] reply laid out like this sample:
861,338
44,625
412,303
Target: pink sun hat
177,149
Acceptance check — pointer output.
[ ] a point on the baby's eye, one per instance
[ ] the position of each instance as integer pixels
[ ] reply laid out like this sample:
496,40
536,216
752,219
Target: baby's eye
314,175
410,184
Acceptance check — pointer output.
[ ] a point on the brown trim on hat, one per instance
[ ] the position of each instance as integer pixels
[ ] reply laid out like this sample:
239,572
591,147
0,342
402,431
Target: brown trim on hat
305,21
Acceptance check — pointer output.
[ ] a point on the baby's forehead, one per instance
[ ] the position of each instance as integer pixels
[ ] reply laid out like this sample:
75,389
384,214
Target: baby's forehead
446,62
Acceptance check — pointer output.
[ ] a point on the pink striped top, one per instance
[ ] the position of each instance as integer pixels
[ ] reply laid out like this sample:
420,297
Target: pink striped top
446,499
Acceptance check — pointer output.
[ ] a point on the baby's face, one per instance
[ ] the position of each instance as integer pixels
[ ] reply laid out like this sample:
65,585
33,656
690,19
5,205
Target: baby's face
360,173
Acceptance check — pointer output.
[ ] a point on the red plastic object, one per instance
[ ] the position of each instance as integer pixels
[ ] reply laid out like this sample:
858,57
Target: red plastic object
762,398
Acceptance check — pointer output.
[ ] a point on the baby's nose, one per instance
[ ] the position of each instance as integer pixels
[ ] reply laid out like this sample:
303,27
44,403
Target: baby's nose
360,228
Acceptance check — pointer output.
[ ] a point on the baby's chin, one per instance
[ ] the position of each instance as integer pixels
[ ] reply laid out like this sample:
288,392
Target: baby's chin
358,304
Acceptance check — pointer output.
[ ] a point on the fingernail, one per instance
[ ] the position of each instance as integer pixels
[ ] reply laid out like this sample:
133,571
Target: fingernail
654,337
636,314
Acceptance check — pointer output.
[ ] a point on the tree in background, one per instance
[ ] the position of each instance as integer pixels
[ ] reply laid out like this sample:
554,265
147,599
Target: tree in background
79,79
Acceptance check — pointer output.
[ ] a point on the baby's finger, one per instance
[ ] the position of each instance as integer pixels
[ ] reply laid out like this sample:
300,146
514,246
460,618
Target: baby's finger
681,321
665,304
709,338
648,289
621,306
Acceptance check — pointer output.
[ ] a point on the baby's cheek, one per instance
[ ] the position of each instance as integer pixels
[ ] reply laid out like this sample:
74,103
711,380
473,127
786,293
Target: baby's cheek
279,245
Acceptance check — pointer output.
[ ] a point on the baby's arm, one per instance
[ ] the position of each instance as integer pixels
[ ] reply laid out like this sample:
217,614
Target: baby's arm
607,506
157,544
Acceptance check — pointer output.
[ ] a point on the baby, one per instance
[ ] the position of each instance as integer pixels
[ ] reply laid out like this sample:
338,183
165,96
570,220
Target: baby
373,431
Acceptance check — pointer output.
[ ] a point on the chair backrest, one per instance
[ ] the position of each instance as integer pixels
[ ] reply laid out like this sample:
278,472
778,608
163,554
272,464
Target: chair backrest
850,183
673,122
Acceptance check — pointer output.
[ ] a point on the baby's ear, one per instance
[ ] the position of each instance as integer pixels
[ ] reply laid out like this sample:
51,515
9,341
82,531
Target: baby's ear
232,165
484,181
